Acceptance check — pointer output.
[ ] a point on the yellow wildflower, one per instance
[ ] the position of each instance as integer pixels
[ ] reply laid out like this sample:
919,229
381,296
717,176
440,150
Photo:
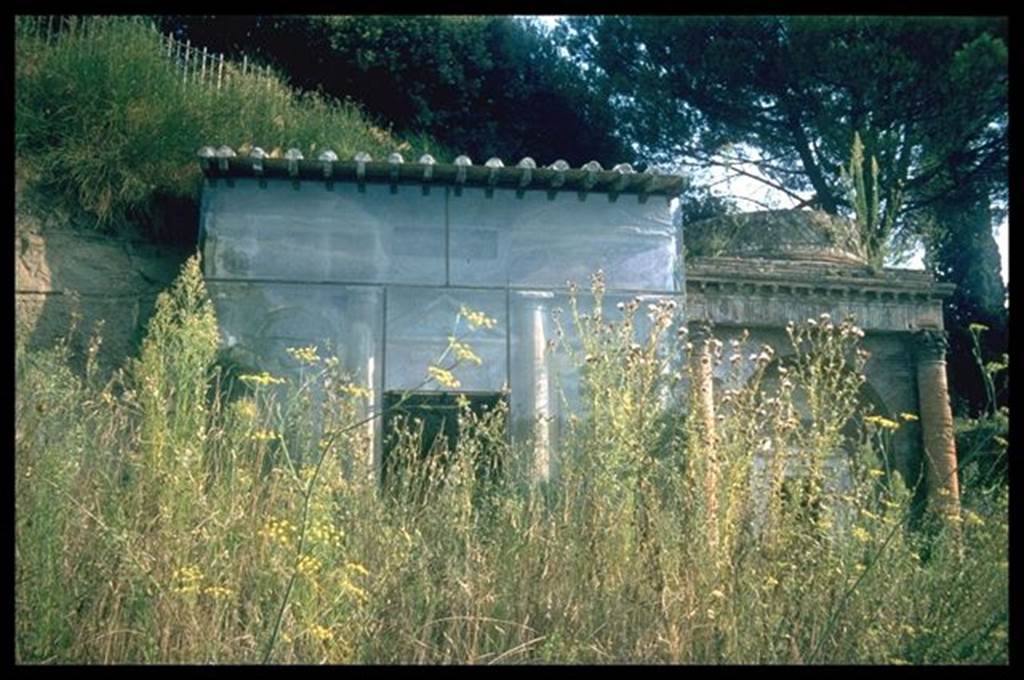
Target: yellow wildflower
218,592
476,319
463,352
309,565
443,377
357,391
263,378
875,472
262,435
304,355
186,579
323,532
861,534
355,590
321,633
280,530
882,422
356,567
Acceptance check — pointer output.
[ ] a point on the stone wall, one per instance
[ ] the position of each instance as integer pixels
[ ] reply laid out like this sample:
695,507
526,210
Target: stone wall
63,266
763,295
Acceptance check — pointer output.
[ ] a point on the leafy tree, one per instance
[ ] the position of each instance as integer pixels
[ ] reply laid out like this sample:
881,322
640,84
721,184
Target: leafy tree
927,97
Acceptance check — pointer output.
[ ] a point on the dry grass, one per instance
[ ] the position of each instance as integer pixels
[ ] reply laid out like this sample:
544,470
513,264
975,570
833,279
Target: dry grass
165,518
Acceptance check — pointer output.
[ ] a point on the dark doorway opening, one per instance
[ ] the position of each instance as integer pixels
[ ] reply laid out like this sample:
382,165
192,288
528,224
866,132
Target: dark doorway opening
436,416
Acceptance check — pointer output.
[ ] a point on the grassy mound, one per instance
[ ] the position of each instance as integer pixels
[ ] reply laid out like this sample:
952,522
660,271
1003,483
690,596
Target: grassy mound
103,116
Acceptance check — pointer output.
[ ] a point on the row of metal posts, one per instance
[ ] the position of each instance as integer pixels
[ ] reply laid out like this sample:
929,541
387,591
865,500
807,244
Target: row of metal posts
189,59
199,60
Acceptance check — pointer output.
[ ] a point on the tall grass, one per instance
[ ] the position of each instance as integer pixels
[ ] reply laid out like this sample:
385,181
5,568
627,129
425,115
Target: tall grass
102,115
166,516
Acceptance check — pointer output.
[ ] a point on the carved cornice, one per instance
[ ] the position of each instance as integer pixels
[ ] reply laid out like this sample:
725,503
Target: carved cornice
730,276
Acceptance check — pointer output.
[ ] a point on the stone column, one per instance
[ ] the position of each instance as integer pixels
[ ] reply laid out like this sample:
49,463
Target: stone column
374,426
701,368
541,399
937,424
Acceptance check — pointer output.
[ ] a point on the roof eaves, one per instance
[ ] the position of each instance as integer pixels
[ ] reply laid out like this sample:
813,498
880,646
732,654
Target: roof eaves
224,162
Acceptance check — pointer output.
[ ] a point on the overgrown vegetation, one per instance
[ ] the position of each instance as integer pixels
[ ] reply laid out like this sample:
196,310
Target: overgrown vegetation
165,516
102,115
180,514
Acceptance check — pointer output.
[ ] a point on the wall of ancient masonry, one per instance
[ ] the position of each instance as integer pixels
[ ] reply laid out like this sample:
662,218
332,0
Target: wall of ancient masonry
762,296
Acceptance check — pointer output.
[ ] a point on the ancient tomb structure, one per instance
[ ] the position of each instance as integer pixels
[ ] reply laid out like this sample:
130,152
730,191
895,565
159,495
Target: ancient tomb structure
378,258
761,270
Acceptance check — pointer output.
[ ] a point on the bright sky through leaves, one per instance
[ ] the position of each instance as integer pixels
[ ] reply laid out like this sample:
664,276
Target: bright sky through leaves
752,195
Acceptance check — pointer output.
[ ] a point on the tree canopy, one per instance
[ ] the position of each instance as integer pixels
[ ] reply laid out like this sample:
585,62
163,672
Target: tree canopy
927,98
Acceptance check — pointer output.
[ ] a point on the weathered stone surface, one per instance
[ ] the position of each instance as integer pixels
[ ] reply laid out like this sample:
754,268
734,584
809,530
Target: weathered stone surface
777,234
60,272
59,261
64,267
757,292
63,273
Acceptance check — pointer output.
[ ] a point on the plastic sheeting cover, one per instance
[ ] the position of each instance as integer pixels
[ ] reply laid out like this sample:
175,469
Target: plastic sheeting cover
545,381
381,273
543,239
419,323
305,231
260,321
310,231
